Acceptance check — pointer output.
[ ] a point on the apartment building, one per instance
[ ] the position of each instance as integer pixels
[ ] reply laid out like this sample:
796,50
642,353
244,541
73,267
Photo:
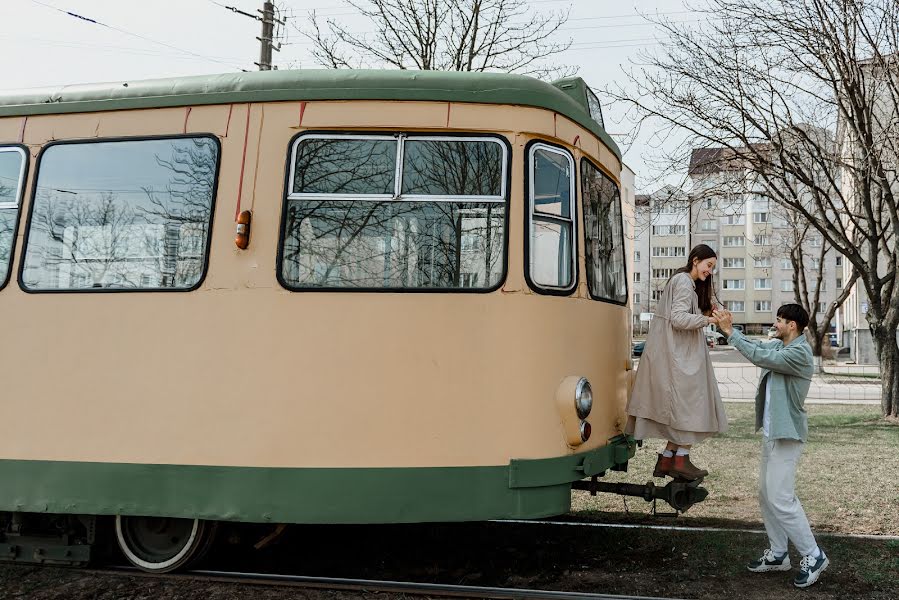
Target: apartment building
753,238
661,245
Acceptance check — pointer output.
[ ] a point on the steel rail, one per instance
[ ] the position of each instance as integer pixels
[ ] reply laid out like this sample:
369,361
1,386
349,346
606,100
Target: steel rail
374,585
860,536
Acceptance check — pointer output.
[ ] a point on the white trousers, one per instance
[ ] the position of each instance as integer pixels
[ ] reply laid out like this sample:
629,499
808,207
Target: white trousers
785,521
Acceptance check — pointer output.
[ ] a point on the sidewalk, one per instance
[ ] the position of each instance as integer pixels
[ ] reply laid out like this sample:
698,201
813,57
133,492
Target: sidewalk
738,383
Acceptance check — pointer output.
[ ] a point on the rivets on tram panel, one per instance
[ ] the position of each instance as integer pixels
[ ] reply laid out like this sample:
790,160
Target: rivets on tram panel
243,230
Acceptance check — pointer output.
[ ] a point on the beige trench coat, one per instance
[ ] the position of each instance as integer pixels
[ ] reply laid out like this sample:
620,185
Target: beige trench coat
675,396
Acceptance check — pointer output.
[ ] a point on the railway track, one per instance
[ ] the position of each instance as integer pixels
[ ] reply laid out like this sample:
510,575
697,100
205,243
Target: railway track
371,585
689,529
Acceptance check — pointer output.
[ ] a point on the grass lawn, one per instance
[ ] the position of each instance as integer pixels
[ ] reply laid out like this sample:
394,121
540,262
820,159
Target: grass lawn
847,478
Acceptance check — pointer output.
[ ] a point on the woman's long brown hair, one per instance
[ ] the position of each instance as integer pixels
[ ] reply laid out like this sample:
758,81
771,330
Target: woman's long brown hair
704,289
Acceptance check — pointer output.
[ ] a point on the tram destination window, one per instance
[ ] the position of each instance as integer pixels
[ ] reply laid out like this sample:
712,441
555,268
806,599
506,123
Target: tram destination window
121,215
12,172
395,212
603,235
551,247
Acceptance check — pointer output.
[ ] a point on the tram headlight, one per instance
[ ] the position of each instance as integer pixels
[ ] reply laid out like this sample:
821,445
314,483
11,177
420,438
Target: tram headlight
583,398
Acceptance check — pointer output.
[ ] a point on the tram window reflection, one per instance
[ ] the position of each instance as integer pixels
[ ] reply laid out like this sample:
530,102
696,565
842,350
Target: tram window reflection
126,214
552,252
345,166
446,230
603,235
12,170
452,168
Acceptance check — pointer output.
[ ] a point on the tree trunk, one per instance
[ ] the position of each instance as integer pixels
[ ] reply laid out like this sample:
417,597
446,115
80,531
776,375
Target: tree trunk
888,356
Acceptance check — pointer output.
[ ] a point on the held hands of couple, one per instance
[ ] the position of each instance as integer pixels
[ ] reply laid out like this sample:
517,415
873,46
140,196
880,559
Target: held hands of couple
724,319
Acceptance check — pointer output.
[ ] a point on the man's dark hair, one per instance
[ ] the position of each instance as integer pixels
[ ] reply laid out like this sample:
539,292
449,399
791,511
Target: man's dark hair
795,313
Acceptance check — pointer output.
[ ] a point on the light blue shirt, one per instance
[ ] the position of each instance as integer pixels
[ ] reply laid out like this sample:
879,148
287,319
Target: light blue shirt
788,370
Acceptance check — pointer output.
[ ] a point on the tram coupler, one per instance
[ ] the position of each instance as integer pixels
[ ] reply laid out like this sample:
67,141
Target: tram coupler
679,493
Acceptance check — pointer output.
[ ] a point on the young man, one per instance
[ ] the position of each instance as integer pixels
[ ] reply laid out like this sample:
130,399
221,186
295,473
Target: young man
786,373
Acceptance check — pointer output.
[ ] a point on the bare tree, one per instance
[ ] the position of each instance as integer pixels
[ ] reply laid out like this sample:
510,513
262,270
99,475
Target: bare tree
761,77
794,243
444,35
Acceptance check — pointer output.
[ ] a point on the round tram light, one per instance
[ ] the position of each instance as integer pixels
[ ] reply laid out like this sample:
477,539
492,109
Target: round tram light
243,229
583,398
586,430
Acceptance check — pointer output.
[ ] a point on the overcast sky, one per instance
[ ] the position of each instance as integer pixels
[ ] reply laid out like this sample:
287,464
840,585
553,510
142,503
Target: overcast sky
132,39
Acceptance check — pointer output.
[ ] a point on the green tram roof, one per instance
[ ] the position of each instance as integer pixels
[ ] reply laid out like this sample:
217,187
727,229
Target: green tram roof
274,86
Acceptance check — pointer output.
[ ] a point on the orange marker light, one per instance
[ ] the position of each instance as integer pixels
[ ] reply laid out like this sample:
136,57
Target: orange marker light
243,230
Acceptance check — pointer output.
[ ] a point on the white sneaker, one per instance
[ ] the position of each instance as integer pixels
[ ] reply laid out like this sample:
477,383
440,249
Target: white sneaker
770,562
810,570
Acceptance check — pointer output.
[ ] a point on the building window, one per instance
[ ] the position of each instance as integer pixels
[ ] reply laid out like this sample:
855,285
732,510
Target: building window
668,251
760,217
707,203
786,263
669,230
839,283
733,263
822,307
670,207
383,212
12,183
662,273
762,262
734,305
762,283
786,285
637,277
762,240
636,256
734,240
839,260
636,297
734,284
603,236
709,225
762,306
122,215
656,295
735,220
815,263
814,241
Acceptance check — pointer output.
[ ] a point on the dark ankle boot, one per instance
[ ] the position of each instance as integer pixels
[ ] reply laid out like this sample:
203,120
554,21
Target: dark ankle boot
683,468
663,465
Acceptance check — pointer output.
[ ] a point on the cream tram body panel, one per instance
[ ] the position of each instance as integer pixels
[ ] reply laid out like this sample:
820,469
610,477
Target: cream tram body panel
242,372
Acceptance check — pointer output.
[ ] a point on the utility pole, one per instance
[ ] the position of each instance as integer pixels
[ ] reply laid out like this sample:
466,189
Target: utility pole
268,27
268,32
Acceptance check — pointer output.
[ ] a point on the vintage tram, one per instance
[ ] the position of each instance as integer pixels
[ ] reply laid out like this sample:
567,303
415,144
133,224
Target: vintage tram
304,297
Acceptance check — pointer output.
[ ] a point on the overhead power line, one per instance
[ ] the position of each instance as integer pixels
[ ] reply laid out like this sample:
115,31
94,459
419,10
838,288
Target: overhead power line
132,34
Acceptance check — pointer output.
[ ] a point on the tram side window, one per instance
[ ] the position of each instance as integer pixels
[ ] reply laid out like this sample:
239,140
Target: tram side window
603,235
125,214
12,172
395,212
552,248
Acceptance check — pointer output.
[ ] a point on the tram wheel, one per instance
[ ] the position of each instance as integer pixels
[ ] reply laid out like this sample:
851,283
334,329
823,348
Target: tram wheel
163,544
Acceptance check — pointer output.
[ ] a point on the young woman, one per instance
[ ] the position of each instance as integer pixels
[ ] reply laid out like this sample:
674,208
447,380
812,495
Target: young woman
675,396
